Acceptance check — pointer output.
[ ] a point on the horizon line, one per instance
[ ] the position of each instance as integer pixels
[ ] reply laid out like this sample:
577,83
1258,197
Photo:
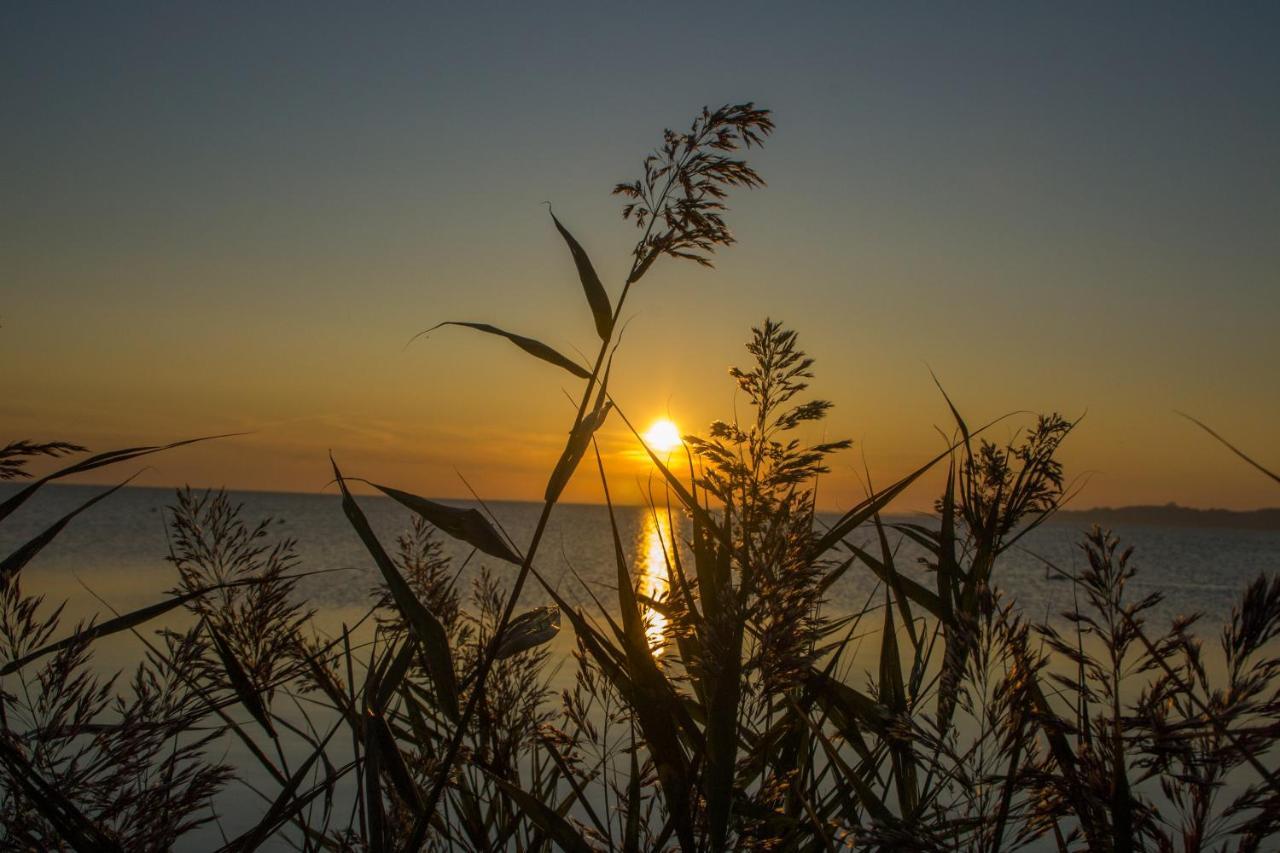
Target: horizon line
472,500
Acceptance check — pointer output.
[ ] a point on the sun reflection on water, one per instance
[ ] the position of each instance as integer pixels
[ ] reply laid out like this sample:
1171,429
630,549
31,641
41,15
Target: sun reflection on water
653,579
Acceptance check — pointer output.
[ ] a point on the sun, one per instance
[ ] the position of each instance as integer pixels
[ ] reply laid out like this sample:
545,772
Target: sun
663,436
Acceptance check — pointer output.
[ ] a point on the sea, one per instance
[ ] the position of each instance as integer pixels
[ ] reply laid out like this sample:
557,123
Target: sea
117,551
112,559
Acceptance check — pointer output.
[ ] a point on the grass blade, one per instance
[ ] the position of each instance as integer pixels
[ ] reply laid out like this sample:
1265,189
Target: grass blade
871,506
631,831
653,698
576,448
248,694
544,817
535,348
19,558
529,629
111,626
1237,451
110,457
287,803
876,502
893,694
467,525
591,286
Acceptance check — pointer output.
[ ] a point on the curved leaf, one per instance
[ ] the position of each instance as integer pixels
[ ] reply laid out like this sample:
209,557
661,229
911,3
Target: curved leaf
529,629
575,449
101,460
465,524
19,558
596,296
247,693
111,626
535,348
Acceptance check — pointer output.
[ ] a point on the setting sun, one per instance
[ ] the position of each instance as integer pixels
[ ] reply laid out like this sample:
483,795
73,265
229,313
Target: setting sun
663,436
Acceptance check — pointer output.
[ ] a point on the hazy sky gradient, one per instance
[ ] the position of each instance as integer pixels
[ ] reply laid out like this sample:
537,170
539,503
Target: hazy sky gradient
216,219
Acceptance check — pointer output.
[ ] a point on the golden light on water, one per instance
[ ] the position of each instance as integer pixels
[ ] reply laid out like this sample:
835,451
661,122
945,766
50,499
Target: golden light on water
653,578
663,436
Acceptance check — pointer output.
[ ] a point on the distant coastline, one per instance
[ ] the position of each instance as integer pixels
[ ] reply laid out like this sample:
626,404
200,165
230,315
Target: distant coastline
1172,515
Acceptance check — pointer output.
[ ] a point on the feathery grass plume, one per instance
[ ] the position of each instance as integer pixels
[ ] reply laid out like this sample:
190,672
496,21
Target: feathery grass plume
1002,487
87,764
15,455
981,758
212,544
1193,733
1151,773
679,201
764,480
1105,653
421,559
125,762
992,499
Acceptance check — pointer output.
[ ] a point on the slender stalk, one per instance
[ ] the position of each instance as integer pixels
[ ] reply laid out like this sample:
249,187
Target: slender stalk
486,663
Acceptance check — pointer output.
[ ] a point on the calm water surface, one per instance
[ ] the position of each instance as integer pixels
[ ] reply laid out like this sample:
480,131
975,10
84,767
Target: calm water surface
117,549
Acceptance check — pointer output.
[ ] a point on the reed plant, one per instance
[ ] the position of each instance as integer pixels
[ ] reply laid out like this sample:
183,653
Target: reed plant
739,724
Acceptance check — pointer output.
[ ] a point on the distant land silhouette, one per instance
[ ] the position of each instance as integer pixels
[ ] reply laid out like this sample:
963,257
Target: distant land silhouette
1173,515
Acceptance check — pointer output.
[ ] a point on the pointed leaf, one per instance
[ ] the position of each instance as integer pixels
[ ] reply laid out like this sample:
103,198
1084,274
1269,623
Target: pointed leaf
631,837
893,693
850,778
247,693
964,428
528,630
596,296
876,502
468,525
389,682
389,755
894,581
870,506
535,348
19,558
373,800
653,697
575,448
918,593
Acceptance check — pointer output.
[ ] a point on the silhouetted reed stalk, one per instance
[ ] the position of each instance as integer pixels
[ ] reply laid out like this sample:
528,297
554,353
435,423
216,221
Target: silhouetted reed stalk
688,205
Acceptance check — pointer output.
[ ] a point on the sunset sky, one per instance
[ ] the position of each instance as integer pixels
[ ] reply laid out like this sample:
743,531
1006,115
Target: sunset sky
218,219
